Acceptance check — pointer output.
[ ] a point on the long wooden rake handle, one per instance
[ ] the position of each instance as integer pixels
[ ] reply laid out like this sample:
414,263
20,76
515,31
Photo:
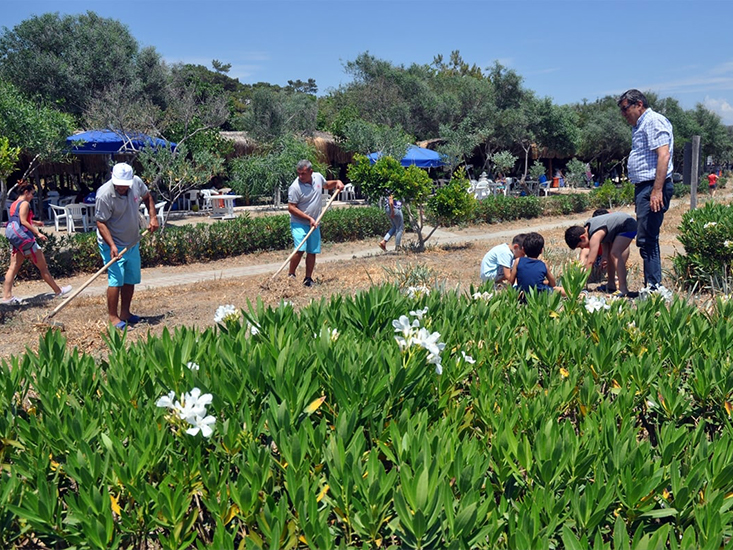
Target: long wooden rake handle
104,268
318,220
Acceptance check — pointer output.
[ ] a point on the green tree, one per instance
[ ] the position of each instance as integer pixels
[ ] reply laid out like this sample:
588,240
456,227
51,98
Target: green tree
604,135
503,161
34,127
69,59
272,171
364,137
413,187
8,160
272,114
575,172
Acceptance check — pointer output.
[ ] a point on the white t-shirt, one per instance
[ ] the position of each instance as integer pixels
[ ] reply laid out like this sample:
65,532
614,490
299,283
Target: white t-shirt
495,259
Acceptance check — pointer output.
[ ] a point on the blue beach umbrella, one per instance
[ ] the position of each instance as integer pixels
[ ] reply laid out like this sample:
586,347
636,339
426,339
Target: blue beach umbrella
416,156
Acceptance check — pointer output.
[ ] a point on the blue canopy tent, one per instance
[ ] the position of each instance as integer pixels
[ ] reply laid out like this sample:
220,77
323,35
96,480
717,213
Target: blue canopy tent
416,156
107,142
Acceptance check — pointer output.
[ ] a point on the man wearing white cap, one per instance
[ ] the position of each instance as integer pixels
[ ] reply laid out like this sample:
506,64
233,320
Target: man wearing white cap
118,227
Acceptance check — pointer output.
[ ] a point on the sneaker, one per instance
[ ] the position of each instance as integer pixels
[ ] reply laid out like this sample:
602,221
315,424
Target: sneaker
291,275
307,281
12,301
64,291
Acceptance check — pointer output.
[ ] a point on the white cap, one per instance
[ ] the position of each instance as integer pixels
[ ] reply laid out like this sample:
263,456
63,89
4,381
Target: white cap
122,175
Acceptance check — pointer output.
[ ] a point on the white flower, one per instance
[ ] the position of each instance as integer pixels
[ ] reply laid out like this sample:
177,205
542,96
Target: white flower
419,312
225,313
709,225
202,424
192,366
728,244
287,303
334,335
166,401
194,404
486,296
592,303
468,358
417,291
254,328
660,290
429,341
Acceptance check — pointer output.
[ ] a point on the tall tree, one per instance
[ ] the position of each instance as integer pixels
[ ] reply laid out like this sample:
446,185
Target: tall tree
68,59
38,130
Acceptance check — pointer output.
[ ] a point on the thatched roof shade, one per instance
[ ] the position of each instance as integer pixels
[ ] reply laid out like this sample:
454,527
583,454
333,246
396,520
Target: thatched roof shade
243,144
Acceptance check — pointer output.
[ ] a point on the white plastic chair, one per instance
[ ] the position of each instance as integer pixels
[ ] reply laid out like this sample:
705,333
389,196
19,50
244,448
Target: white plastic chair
76,213
206,195
59,215
160,212
347,193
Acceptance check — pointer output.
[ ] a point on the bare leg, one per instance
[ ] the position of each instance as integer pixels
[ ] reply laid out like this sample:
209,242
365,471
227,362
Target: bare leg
45,273
16,260
126,299
294,262
618,257
113,296
310,263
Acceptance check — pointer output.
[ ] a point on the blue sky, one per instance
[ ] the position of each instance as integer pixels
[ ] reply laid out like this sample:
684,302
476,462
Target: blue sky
568,50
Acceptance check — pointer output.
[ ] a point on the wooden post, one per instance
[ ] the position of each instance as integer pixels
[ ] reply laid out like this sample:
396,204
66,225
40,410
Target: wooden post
695,176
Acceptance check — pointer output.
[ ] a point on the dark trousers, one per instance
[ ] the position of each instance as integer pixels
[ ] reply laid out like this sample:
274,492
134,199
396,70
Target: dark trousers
647,233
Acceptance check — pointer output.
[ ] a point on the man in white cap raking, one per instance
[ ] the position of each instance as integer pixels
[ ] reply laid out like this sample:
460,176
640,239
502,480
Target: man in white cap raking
118,227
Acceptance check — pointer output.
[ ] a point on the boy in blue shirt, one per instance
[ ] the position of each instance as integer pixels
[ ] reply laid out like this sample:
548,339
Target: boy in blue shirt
531,272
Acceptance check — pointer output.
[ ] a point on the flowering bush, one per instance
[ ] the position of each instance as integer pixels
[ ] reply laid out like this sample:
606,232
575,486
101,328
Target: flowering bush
707,235
551,424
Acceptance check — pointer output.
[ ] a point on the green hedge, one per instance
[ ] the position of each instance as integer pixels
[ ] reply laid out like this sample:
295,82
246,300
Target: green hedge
552,425
177,245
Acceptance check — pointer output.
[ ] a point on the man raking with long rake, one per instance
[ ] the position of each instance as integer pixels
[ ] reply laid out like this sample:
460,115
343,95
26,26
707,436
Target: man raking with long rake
304,205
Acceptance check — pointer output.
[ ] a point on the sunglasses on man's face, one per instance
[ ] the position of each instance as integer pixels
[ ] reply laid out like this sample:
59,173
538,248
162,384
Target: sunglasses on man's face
624,109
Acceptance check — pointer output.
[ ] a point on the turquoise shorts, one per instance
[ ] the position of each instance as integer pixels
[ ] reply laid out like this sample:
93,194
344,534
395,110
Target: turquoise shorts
126,270
299,231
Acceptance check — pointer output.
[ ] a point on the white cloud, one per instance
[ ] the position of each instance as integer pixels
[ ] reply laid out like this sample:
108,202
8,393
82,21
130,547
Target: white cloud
720,106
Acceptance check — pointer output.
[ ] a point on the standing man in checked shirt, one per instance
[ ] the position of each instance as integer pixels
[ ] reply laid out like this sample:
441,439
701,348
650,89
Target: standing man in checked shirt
650,170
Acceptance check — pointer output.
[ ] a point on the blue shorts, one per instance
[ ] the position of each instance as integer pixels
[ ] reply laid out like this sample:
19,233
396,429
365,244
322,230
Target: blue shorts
126,270
628,234
299,231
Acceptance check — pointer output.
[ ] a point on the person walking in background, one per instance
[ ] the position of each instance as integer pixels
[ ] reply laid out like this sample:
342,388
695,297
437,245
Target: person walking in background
712,182
22,233
304,206
394,211
650,170
118,227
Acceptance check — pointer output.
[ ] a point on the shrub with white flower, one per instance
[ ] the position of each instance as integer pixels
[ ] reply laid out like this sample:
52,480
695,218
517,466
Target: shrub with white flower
660,290
485,296
467,358
192,366
709,225
226,313
410,334
594,303
419,313
417,291
191,409
253,328
728,244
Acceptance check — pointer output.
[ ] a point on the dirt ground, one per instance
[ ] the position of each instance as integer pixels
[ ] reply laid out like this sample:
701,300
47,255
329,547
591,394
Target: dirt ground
454,265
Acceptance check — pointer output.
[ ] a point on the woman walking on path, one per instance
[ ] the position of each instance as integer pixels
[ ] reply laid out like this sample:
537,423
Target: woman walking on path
25,228
394,211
